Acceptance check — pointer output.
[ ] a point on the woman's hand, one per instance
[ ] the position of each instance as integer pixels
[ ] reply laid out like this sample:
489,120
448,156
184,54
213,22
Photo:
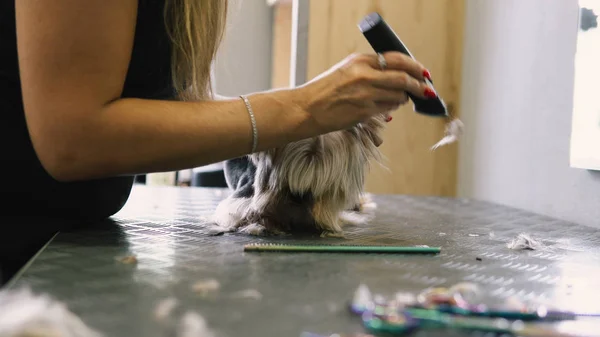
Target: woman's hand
357,88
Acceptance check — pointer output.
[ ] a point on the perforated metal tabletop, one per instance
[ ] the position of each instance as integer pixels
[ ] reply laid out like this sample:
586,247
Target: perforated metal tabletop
163,228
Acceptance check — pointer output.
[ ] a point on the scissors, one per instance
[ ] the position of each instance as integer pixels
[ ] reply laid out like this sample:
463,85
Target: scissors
441,308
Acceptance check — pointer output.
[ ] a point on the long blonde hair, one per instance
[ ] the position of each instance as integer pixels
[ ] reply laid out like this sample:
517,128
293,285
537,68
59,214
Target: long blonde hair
196,28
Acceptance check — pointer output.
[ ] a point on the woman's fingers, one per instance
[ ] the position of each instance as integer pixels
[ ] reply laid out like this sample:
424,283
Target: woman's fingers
398,80
389,107
384,97
387,110
401,72
400,62
392,105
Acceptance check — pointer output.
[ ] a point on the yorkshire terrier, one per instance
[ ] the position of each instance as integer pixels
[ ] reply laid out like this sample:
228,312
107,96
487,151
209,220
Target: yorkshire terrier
312,186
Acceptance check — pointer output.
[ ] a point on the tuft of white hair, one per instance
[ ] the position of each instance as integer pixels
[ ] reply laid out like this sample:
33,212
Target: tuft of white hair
454,130
25,314
525,242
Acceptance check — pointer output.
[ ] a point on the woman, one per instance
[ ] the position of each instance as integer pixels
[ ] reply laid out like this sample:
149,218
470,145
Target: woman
97,91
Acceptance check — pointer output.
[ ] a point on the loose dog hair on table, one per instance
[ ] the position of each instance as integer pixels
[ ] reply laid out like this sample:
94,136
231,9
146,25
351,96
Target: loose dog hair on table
312,186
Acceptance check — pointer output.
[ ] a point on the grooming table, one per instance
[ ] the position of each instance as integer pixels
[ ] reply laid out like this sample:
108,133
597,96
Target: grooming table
162,227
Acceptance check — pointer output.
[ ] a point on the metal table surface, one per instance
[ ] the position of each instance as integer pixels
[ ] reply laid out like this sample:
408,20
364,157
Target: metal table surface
163,228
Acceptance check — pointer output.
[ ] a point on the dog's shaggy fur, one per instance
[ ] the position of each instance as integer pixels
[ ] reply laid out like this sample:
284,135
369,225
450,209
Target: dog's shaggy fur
310,186
26,314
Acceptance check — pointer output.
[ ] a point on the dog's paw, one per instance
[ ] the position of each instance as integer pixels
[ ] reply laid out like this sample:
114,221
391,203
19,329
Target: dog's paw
216,230
355,219
253,229
328,234
213,228
366,204
231,212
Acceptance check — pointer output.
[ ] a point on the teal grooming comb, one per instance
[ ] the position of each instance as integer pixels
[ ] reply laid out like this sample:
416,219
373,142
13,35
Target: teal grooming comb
324,248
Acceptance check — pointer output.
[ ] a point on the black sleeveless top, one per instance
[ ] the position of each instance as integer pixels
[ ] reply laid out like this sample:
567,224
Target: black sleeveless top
29,189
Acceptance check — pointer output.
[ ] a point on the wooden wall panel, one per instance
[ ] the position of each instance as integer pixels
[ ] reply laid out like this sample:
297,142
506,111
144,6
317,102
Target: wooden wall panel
282,44
433,31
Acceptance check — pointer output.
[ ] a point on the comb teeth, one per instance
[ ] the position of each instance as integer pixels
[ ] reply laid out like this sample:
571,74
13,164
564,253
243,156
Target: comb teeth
295,245
291,245
340,248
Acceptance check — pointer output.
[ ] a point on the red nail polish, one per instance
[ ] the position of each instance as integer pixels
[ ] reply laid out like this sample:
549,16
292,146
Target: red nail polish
388,119
426,74
430,93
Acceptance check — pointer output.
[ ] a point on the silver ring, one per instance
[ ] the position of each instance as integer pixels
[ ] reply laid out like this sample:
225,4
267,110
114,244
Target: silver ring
382,61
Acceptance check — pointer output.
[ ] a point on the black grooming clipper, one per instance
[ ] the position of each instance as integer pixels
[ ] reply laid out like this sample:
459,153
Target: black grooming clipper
383,39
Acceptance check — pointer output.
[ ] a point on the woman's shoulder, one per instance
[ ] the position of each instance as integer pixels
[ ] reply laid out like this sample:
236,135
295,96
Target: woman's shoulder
149,73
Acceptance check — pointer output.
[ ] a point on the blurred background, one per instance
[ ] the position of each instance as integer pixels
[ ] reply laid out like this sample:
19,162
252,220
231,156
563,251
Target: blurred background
511,70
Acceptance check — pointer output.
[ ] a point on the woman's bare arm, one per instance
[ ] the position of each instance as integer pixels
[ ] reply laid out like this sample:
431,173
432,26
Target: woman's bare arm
74,57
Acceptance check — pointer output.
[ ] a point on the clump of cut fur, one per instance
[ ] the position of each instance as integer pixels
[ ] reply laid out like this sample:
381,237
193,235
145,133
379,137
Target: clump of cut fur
176,321
524,242
25,314
206,287
193,324
314,185
454,130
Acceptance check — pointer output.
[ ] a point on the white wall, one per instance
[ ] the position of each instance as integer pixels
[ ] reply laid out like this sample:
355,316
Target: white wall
243,64
517,100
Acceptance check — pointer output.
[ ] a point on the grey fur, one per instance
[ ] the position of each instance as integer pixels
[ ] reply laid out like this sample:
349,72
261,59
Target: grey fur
312,186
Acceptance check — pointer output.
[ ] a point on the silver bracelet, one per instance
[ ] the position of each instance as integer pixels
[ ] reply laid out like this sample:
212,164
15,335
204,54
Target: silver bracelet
253,121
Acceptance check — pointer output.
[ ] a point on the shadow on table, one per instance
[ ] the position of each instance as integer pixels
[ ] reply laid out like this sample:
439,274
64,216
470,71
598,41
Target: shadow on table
81,267
24,238
102,233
